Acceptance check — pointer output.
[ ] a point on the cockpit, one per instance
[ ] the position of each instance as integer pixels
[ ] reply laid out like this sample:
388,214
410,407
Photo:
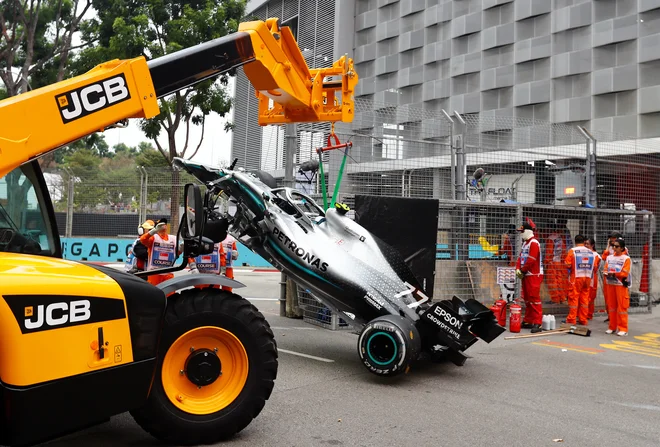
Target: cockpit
296,204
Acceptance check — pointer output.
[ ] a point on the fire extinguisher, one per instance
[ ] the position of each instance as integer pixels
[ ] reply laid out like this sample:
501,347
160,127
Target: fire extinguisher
515,319
499,309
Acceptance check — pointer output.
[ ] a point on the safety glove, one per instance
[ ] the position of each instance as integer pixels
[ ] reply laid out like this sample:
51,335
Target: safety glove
157,228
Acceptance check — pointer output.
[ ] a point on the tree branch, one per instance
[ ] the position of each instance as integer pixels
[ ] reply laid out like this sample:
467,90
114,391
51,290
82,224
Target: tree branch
158,33
69,37
185,145
168,113
161,150
200,138
179,107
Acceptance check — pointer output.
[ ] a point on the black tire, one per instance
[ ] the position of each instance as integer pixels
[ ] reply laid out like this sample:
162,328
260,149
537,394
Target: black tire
192,309
389,345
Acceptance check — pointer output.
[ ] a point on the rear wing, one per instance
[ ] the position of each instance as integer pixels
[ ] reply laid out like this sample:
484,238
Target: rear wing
45,119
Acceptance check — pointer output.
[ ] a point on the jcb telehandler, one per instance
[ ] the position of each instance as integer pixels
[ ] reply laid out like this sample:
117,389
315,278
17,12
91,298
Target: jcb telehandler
80,343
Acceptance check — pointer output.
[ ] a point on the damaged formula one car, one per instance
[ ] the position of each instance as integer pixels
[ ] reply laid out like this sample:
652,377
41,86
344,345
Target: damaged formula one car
348,269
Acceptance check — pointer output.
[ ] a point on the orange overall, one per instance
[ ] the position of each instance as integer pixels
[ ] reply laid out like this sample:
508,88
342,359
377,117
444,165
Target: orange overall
594,288
609,251
555,269
581,261
619,295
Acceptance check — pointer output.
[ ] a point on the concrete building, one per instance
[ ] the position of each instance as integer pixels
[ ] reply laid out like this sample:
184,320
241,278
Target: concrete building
324,31
578,62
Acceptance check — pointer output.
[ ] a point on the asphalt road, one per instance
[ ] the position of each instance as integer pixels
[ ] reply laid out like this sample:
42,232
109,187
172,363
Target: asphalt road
554,390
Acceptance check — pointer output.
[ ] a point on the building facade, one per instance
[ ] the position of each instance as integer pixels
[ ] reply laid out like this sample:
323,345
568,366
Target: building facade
567,63
594,63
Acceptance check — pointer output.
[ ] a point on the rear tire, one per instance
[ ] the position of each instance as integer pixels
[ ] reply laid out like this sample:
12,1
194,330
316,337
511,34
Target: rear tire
388,345
181,411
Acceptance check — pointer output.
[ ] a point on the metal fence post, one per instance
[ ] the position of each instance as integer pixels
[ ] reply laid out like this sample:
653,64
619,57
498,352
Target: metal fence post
650,268
68,232
144,179
452,154
461,186
518,244
461,168
590,193
289,151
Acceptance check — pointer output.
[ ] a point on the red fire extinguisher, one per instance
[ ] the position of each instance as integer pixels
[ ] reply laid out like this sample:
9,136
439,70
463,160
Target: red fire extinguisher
515,319
499,309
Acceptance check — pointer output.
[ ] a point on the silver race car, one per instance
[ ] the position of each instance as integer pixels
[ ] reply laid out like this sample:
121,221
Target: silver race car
351,271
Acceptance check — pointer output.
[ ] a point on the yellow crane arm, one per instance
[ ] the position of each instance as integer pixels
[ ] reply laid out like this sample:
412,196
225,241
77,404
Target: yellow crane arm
37,122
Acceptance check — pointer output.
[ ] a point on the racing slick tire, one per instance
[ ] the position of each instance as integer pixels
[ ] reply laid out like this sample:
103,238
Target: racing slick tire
217,363
388,345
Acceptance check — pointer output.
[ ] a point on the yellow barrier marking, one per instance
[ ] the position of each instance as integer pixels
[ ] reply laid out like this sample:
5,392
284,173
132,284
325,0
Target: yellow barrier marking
648,345
582,349
566,345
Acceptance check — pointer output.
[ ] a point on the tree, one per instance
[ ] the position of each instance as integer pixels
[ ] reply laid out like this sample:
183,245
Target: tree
122,149
120,179
83,164
36,38
153,28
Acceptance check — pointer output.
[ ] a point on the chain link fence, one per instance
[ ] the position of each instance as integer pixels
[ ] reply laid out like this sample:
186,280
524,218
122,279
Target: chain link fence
410,152
490,171
95,203
487,172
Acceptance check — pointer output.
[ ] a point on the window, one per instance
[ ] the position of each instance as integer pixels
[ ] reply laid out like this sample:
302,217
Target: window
24,223
392,141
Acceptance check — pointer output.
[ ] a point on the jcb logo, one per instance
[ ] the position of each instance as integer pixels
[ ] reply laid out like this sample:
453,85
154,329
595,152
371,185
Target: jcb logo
91,98
36,313
57,314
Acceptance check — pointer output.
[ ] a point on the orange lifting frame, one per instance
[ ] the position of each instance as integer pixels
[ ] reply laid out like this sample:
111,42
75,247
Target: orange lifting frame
287,89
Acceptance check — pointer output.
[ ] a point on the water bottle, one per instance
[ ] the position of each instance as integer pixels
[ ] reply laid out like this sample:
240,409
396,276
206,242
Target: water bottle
545,324
553,324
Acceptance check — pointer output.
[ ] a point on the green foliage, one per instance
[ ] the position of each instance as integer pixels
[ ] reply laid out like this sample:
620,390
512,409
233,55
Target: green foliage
35,47
153,28
151,158
37,41
108,178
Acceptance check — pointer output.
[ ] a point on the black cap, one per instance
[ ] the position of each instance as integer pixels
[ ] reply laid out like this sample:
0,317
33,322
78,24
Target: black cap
525,226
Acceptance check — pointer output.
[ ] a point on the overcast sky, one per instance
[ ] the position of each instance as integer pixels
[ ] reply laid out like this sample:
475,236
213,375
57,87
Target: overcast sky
216,146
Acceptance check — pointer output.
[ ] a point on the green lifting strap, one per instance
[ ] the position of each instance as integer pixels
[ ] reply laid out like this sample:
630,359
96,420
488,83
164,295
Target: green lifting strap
339,177
325,195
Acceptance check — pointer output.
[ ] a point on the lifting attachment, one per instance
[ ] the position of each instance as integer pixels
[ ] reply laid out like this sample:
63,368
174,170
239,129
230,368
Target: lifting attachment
331,147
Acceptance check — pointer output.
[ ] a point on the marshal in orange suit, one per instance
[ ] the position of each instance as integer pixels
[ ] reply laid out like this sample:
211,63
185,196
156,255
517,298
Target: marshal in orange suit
617,276
581,262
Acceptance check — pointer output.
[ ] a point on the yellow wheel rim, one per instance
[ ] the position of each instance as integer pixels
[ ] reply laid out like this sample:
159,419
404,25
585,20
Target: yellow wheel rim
211,398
